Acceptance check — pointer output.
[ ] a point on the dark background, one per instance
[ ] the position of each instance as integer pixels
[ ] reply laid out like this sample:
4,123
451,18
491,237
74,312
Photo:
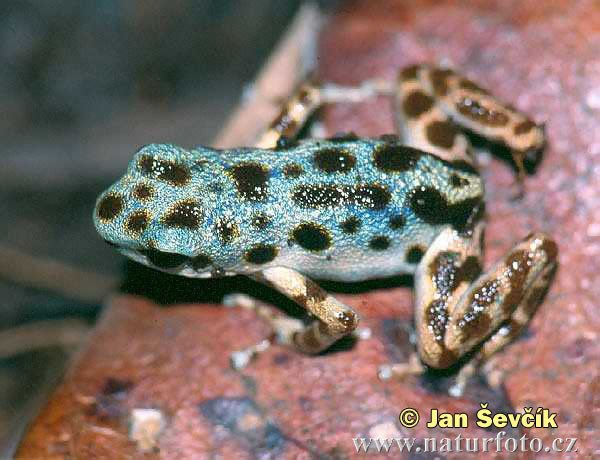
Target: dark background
83,85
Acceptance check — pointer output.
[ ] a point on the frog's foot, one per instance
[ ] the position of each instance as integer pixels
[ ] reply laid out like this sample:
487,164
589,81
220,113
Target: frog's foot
414,367
283,328
493,376
311,338
239,359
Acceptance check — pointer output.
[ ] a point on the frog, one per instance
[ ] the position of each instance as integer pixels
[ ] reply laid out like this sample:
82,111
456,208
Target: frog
289,210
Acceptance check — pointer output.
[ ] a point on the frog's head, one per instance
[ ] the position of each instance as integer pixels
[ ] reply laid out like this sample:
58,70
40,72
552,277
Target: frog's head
156,213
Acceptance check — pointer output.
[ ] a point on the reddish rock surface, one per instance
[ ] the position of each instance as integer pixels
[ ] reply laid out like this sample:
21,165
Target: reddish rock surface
542,57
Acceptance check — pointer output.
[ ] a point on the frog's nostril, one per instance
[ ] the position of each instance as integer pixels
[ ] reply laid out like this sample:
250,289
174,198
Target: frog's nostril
164,259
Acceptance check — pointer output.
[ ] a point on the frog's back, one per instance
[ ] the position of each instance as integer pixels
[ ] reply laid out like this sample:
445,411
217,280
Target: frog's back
345,209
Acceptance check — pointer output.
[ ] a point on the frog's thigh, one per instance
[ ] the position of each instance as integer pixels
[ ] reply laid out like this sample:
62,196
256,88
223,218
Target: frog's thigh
429,89
422,124
334,319
499,302
452,262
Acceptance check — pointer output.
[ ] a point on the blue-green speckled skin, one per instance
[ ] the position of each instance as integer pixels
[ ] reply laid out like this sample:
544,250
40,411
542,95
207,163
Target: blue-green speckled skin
348,257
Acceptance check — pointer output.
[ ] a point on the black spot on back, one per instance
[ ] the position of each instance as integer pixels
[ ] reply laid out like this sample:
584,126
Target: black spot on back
185,214
396,158
379,243
416,104
110,207
201,261
432,207
312,237
261,254
143,191
251,180
227,230
164,170
261,221
415,254
397,222
351,225
427,203
332,160
372,196
164,259
137,221
293,170
318,196
441,133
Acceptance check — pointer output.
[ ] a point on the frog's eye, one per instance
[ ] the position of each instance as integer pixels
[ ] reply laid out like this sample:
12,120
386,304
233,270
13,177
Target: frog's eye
164,259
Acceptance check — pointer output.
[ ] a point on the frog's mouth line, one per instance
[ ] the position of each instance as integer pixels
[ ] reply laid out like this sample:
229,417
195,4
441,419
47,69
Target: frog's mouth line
175,264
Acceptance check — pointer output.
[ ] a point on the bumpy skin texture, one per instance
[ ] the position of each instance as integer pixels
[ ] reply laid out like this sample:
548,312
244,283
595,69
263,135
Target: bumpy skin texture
347,209
545,60
335,209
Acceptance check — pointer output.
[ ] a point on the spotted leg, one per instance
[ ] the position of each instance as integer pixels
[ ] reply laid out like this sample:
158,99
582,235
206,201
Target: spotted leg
333,321
451,315
306,99
458,310
433,103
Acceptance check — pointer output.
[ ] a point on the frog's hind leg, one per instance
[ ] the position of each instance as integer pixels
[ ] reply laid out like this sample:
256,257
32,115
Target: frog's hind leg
504,296
449,266
423,90
458,310
421,123
293,115
308,97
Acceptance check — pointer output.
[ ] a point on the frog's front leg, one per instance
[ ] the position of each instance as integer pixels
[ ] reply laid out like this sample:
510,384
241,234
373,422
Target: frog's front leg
458,310
334,320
